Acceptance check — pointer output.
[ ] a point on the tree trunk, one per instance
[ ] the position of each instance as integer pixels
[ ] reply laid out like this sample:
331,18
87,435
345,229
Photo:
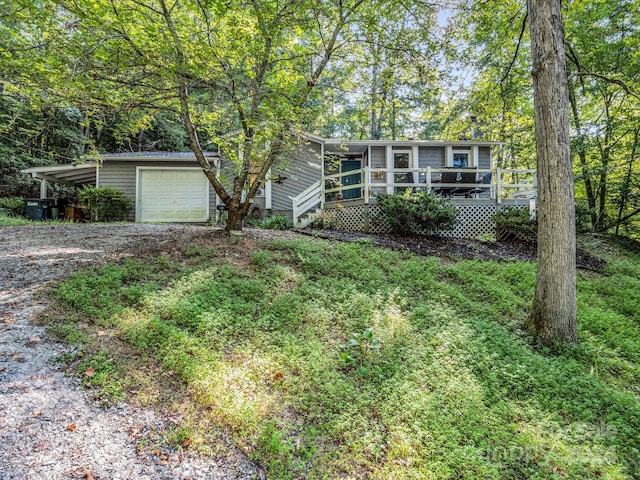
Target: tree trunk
626,183
234,220
553,316
586,176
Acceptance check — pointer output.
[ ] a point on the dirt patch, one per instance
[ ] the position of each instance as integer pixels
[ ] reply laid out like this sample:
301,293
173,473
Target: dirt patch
49,427
457,248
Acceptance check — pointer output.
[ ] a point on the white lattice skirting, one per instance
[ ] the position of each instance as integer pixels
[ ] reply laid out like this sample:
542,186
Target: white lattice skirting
474,220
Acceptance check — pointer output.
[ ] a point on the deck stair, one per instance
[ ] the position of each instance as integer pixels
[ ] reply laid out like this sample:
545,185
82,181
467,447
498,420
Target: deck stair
307,205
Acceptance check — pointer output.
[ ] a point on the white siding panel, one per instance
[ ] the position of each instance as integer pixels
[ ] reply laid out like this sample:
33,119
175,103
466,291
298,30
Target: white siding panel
378,159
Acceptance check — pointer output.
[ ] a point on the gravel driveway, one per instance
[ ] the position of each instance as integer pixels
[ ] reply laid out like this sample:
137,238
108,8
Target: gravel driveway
49,428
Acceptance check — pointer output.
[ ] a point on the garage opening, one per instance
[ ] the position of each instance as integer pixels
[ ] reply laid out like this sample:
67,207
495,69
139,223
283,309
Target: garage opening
172,195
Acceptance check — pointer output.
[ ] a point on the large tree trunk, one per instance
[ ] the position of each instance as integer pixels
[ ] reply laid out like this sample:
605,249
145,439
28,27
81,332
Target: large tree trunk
553,317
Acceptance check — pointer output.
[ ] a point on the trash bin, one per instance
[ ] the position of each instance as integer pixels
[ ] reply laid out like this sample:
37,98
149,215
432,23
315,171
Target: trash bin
38,208
57,209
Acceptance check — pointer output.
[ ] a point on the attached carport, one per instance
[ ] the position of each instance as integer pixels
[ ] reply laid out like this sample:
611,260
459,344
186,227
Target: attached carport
163,186
73,174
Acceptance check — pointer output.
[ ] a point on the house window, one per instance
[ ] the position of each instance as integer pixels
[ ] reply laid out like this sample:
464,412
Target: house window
402,159
462,159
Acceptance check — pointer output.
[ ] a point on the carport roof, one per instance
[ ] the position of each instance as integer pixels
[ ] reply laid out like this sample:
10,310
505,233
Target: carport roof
74,174
86,173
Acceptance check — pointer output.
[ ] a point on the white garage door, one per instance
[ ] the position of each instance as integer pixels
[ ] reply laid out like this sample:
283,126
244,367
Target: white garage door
172,195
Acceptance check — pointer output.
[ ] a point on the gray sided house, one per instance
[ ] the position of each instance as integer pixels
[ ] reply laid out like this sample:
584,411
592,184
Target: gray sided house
170,186
330,175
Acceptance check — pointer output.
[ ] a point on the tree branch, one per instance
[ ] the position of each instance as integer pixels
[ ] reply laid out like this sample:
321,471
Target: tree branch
515,54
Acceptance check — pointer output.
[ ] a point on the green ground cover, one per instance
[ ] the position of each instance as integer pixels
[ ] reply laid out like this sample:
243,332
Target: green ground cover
328,360
7,221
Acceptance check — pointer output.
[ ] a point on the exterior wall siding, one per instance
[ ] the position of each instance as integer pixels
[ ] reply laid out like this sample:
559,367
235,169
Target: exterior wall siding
302,170
431,157
484,157
378,159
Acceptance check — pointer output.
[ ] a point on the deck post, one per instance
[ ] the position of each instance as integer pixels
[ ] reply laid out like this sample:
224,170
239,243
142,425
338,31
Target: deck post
428,178
498,185
415,164
267,191
389,158
366,172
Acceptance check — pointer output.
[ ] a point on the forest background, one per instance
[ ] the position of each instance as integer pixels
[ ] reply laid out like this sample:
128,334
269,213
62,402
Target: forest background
398,70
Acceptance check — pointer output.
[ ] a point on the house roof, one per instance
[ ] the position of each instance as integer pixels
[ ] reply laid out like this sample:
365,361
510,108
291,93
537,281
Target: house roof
86,173
151,156
339,144
359,146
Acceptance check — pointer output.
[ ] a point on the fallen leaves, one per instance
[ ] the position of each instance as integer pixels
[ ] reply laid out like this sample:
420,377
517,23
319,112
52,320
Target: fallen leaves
7,317
36,413
88,475
89,372
163,458
71,427
33,341
18,358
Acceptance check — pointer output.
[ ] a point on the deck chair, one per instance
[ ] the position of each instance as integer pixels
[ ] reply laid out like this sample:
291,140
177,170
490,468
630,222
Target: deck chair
447,177
486,180
468,178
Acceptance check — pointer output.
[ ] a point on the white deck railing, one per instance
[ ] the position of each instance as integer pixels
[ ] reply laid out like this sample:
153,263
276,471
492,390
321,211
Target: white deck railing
306,200
504,183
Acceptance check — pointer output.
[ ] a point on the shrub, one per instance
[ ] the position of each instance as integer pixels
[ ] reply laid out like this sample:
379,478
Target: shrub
583,217
417,213
276,222
515,223
325,221
105,204
13,206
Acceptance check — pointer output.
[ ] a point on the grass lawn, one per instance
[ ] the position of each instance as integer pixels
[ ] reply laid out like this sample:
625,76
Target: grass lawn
6,221
335,360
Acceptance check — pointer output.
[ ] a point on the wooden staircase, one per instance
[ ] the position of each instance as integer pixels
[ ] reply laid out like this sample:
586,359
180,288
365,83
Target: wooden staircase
306,206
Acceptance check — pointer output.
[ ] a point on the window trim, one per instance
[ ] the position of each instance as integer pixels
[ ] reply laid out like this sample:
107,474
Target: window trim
469,153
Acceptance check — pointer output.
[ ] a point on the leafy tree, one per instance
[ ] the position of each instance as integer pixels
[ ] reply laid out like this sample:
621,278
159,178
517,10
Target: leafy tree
378,87
45,114
239,74
603,79
553,316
